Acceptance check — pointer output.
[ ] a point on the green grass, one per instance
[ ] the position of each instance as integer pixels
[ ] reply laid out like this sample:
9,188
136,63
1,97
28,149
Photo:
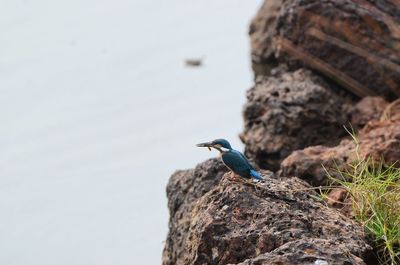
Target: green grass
374,191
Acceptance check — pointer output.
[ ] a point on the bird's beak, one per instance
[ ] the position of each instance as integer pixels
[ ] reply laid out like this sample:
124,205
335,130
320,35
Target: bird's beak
208,145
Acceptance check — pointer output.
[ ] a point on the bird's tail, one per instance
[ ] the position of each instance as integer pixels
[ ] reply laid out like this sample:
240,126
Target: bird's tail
255,174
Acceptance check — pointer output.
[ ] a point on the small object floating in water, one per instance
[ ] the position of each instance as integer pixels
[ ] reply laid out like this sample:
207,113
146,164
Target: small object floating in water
193,62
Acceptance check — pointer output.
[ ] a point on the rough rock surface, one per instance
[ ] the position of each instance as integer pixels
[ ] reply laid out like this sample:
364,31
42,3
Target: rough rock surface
335,38
379,139
237,222
290,111
184,188
306,252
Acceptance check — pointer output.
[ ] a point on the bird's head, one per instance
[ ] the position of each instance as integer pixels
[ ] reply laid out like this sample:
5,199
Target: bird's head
221,145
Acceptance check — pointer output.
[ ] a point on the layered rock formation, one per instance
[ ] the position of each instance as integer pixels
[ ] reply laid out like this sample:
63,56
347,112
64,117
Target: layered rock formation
356,43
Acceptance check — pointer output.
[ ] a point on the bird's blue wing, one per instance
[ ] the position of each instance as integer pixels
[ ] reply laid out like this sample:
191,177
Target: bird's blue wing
245,158
253,172
239,164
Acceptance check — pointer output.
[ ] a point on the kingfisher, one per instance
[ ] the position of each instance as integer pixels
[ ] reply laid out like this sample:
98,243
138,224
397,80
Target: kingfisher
233,159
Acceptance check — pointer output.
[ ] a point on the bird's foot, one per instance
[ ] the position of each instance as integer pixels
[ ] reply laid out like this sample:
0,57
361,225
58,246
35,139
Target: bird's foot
232,177
256,180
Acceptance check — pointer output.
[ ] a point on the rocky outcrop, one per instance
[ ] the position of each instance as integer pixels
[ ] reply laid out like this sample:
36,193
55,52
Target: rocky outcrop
379,139
218,221
294,122
354,43
289,111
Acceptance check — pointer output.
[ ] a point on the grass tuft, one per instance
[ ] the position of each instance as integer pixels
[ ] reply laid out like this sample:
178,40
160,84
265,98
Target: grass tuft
374,190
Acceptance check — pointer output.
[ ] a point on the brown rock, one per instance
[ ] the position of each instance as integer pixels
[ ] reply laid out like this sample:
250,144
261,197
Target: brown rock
308,251
367,109
378,140
312,163
336,197
273,221
381,140
354,43
184,188
340,199
290,111
262,31
392,111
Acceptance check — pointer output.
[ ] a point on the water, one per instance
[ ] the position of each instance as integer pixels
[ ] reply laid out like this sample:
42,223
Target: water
97,110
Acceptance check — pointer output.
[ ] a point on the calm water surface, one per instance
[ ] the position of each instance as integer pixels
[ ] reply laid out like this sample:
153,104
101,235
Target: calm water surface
97,110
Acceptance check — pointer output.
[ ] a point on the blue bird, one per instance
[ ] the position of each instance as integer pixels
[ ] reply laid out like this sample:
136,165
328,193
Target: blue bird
233,159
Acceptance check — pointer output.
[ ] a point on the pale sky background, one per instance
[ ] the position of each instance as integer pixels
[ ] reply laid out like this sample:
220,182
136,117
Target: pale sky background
97,110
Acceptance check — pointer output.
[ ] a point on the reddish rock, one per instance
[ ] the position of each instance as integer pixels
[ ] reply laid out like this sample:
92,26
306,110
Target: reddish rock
340,199
378,140
381,140
392,111
312,163
336,197
367,109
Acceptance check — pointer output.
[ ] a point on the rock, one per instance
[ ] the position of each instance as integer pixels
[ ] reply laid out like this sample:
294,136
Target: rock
290,111
184,188
308,252
340,199
354,43
262,32
381,140
367,109
378,140
239,222
392,111
336,197
312,162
